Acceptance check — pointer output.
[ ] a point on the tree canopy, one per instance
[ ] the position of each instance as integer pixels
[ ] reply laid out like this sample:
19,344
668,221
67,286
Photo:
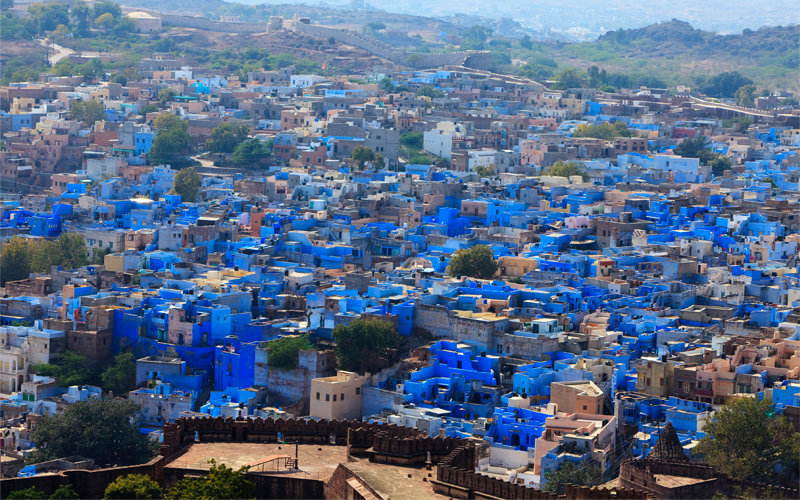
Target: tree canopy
187,184
283,352
698,147
87,112
725,84
27,494
567,169
221,482
745,96
361,346
100,429
485,170
133,486
226,136
587,473
20,257
120,377
429,91
69,368
362,155
15,260
171,144
72,368
165,95
603,130
252,152
747,440
568,78
477,262
538,68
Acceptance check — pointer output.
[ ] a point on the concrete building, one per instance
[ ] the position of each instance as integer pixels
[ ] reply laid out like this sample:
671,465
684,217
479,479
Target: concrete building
337,397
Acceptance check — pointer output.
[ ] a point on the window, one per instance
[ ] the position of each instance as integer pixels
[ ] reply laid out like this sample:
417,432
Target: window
334,397
342,396
584,407
327,397
317,396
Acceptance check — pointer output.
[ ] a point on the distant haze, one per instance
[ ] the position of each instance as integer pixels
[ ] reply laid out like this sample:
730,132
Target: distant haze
588,19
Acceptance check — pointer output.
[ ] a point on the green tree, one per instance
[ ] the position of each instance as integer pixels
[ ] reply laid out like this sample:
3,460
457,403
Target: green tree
80,15
61,31
692,147
429,91
745,96
106,7
69,368
100,429
171,144
539,68
484,170
221,482
361,346
252,152
567,169
747,440
136,486
187,184
27,493
362,155
15,260
166,95
148,108
47,16
387,85
720,164
283,352
379,162
88,112
226,136
476,261
65,491
412,140
105,21
725,84
475,38
568,78
124,26
526,42
587,473
68,251
120,377
604,130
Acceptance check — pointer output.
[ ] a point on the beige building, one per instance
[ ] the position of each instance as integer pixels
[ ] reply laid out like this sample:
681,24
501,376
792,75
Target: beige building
337,397
577,397
654,377
144,22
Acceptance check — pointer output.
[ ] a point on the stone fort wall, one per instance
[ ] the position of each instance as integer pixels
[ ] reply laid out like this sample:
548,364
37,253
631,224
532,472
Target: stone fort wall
455,459
470,59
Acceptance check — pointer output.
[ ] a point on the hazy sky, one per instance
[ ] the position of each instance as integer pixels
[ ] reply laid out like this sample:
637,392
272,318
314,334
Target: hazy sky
594,17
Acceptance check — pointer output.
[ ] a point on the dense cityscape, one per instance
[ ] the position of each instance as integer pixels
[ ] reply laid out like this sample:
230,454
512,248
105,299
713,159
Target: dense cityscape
289,259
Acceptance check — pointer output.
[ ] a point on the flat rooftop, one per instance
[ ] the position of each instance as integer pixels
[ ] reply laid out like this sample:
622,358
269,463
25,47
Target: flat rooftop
314,461
395,482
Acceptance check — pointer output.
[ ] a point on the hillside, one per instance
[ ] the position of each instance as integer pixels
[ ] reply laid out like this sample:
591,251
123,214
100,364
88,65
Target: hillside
678,53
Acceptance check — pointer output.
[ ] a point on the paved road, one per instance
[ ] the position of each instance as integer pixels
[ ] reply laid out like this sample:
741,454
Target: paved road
57,52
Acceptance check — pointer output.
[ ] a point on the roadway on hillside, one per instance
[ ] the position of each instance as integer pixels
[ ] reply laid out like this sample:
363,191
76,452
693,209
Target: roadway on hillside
55,51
